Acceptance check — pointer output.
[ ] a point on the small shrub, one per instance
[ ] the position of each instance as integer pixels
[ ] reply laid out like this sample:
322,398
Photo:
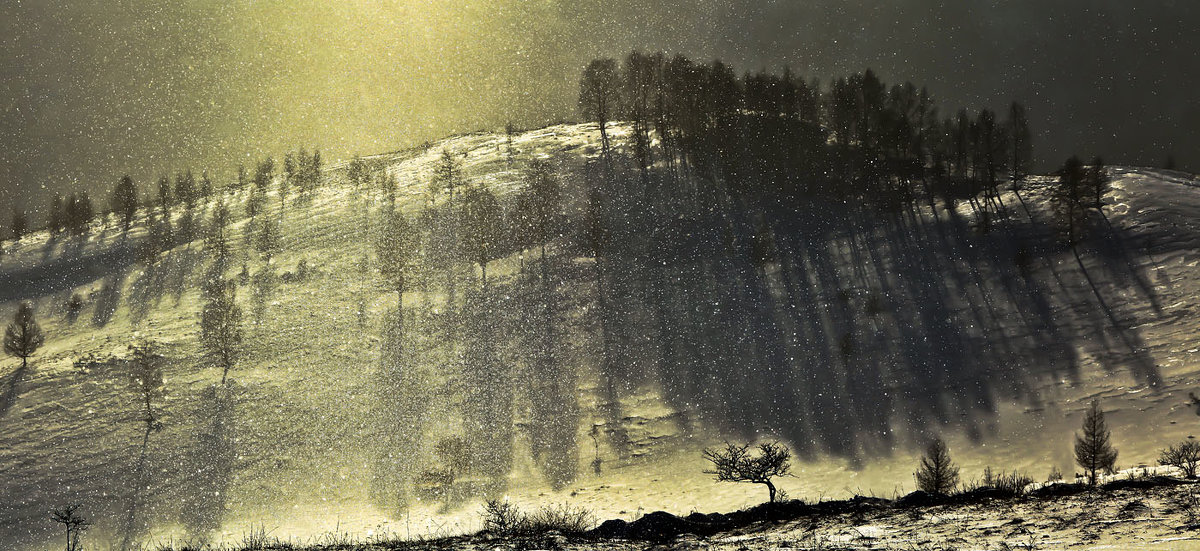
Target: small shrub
505,519
562,518
1055,474
501,517
1184,456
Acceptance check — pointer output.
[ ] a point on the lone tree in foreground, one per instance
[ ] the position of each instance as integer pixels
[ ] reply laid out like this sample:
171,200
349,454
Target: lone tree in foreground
1093,452
24,336
1184,456
736,464
221,325
74,524
937,473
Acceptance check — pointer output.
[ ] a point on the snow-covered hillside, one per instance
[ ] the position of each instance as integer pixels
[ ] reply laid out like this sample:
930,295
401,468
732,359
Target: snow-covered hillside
857,337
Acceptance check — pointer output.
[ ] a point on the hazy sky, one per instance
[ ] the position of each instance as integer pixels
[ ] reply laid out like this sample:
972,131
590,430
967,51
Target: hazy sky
91,90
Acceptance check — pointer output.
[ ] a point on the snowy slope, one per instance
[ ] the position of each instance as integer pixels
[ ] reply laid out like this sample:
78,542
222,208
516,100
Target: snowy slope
292,448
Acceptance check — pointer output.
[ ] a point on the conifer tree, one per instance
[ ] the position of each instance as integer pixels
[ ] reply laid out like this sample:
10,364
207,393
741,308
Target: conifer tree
124,201
56,219
221,324
24,336
1093,451
1097,182
1067,199
164,194
483,224
19,225
937,473
396,247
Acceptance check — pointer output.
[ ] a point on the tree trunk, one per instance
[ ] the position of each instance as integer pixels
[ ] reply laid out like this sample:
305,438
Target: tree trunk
770,489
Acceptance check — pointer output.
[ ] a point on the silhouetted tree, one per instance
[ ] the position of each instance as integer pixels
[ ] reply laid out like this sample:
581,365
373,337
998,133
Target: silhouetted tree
1184,456
146,379
125,201
263,174
1021,141
598,95
1093,452
19,225
185,189
206,185
221,325
215,239
74,524
1067,199
79,213
56,220
483,224
164,194
357,172
24,336
396,247
1097,182
268,242
447,175
937,473
242,178
544,192
736,464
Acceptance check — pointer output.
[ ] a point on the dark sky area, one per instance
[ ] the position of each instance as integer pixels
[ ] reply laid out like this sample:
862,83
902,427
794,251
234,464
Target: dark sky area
92,90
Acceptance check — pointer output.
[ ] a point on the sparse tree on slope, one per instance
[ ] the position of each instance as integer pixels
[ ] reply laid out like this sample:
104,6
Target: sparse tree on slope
24,336
124,201
736,464
483,221
164,194
20,225
447,175
268,242
1021,142
1097,182
598,96
937,473
56,219
1093,451
396,247
1067,199
221,325
146,379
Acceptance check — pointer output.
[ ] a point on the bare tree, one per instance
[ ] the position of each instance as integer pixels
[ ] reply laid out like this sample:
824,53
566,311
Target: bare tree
937,473
24,336
1184,456
598,91
736,464
74,524
1093,452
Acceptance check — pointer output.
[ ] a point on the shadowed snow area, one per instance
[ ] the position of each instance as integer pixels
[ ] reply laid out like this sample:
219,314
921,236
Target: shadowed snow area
848,333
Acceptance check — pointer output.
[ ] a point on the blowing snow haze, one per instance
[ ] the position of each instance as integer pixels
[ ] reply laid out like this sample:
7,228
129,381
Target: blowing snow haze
499,273
91,91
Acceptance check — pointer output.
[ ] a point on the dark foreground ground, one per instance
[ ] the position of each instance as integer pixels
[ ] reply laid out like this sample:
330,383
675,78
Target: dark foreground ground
1142,512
